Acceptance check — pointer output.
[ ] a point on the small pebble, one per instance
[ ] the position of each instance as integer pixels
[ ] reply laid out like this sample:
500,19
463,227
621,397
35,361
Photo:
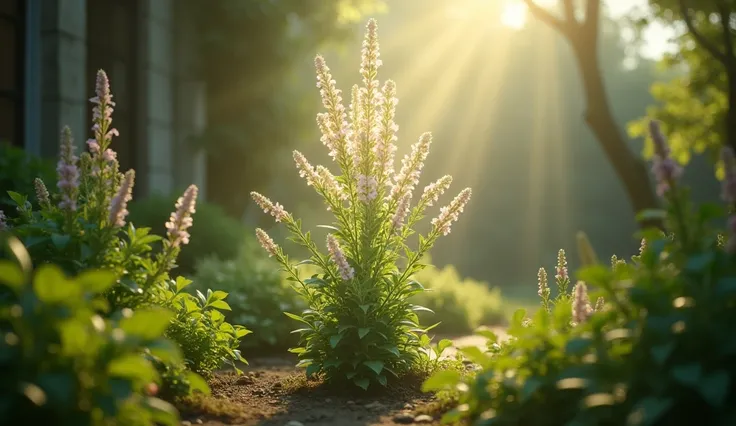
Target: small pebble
423,418
408,406
350,402
294,423
374,405
404,418
198,421
328,400
186,423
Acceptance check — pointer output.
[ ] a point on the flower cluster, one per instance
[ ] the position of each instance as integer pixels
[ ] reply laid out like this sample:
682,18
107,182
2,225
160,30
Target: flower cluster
581,309
665,169
119,204
181,219
68,182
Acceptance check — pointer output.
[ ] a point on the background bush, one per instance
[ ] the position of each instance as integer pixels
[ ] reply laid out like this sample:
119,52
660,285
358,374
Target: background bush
17,172
257,293
461,304
214,233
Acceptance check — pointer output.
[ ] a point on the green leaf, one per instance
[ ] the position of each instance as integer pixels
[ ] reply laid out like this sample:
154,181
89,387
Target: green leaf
217,295
60,241
96,281
442,345
393,349
220,304
363,331
197,383
52,286
714,387
166,350
298,318
488,334
440,380
475,354
650,410
18,199
162,413
312,369
651,214
60,388
375,365
335,339
661,353
382,379
11,275
147,324
518,317
688,374
362,383
365,308
75,337
700,262
578,346
725,287
182,283
134,367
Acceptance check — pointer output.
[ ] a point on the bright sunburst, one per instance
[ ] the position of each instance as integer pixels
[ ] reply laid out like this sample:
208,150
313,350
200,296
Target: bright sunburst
514,15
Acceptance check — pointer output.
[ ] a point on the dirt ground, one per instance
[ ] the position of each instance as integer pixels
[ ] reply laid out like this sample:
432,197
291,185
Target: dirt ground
272,392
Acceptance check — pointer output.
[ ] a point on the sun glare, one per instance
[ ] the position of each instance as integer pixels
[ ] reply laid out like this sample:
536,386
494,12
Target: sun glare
514,15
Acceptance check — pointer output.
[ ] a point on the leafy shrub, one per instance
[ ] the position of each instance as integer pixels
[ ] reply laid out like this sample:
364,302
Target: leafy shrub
199,327
62,363
83,226
461,305
214,233
257,293
658,350
18,170
360,326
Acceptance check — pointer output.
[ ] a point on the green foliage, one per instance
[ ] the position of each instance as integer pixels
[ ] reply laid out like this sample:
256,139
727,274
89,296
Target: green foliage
360,326
64,364
659,351
258,294
693,104
199,327
18,169
460,305
214,233
82,226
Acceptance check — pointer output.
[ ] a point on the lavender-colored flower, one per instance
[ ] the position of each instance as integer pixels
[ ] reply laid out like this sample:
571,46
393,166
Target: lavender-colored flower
344,269
367,188
434,190
402,210
3,221
333,124
102,113
274,209
109,155
665,169
330,184
68,172
561,269
267,242
542,284
370,54
729,182
119,203
450,213
306,170
581,309
93,146
642,246
385,147
42,193
181,219
411,167
599,304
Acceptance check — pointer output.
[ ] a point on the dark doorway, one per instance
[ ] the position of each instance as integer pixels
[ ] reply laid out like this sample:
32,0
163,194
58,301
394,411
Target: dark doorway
12,57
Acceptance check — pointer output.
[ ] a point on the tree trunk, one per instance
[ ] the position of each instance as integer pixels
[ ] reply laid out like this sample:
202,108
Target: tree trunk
630,169
731,113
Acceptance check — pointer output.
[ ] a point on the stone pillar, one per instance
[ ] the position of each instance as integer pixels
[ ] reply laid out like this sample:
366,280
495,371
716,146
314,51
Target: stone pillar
63,66
157,120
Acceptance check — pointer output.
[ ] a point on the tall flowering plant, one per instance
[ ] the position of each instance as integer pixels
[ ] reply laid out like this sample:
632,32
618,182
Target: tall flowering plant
359,325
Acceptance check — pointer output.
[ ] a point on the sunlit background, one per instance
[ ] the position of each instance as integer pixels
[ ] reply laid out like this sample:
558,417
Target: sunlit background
501,94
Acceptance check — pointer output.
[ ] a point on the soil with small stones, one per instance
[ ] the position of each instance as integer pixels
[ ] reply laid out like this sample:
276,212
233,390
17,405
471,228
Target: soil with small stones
272,392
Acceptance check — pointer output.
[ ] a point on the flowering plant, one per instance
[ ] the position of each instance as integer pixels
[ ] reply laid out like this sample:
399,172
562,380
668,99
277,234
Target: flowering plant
84,224
359,325
658,350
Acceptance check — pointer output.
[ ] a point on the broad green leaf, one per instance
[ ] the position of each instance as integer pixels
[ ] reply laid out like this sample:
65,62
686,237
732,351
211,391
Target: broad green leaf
221,304
443,344
651,214
60,241
578,346
714,388
75,337
362,383
96,281
661,353
375,365
382,379
312,369
182,283
147,324
440,380
363,331
650,409
52,286
518,317
335,339
688,374
297,317
11,275
162,413
197,383
134,367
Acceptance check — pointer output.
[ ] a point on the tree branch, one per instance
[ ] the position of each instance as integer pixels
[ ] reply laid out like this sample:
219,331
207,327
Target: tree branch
543,15
704,42
725,12
569,11
592,15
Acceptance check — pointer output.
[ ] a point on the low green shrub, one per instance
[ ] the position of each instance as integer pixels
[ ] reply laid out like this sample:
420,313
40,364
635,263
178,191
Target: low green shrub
658,349
18,170
213,234
360,327
83,226
258,294
460,305
62,363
